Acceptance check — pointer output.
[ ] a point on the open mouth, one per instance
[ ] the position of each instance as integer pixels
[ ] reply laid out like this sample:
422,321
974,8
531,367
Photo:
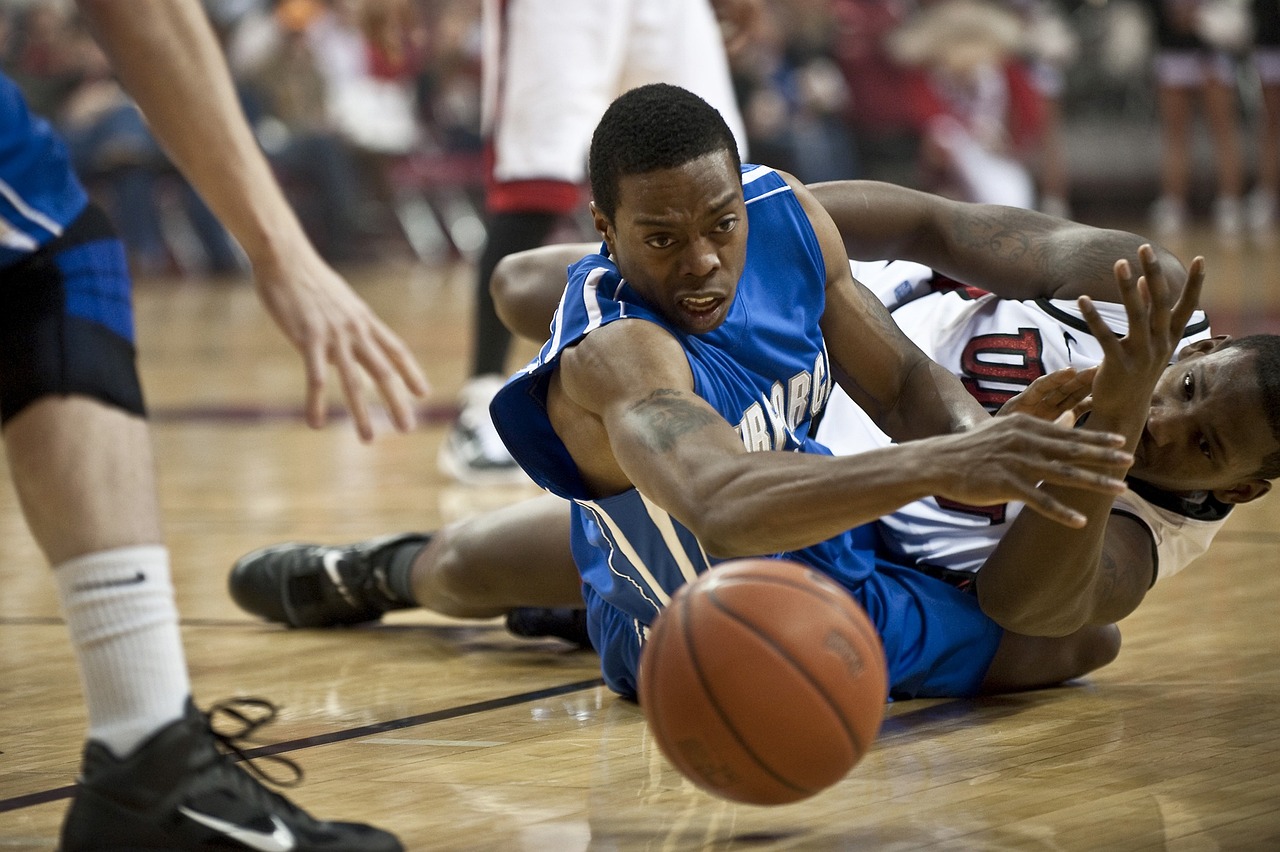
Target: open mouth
701,310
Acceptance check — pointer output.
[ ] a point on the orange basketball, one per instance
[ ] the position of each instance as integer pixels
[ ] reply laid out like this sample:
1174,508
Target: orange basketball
763,681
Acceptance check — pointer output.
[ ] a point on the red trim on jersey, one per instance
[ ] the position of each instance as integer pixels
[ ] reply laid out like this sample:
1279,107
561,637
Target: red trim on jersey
532,196
539,195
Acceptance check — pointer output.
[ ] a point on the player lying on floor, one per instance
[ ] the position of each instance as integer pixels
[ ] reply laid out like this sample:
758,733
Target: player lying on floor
1180,496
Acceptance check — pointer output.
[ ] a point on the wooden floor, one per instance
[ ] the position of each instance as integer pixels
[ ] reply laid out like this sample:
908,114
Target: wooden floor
460,737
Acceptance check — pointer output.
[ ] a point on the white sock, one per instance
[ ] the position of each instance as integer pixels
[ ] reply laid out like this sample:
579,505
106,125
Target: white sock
123,623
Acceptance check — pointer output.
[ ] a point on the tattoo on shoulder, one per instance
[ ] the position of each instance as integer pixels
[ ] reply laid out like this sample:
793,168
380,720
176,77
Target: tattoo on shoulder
669,415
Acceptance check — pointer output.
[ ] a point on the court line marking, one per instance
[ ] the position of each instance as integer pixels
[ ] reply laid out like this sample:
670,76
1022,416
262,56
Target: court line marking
41,797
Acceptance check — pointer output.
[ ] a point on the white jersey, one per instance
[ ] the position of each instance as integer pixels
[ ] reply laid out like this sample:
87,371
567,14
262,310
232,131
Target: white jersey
997,347
552,67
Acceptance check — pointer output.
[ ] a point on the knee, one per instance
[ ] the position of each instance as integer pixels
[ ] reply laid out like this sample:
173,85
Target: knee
1095,646
443,585
448,579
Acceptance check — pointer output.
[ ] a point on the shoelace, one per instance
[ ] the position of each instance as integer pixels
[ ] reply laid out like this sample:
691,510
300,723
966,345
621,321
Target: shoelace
251,714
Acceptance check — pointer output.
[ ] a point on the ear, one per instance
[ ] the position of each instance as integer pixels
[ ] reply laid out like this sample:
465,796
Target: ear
1243,492
1203,347
602,225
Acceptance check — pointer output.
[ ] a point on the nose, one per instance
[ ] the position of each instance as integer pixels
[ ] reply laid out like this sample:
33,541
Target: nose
701,259
1165,426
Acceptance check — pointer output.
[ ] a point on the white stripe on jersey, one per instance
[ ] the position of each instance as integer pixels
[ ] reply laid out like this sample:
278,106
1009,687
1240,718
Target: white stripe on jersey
755,174
651,589
662,521
11,237
589,298
43,221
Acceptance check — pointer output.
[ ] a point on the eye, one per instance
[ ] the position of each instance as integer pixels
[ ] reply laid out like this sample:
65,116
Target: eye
1188,385
727,224
660,242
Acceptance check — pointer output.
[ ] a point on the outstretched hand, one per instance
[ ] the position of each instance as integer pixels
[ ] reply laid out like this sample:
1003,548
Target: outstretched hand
1007,458
1061,394
1131,365
330,325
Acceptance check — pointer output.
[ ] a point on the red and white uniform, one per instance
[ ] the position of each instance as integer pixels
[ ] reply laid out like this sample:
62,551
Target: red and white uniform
552,67
997,347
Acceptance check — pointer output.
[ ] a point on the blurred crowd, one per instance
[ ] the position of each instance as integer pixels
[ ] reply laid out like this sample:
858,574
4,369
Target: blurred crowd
369,109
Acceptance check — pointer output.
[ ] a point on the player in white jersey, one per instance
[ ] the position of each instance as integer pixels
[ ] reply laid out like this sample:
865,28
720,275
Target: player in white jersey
998,347
1208,440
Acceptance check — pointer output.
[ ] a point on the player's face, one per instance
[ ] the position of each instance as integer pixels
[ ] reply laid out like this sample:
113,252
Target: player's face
1207,429
679,237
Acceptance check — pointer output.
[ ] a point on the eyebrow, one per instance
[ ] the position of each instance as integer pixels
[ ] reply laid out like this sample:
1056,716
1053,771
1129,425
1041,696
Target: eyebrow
716,207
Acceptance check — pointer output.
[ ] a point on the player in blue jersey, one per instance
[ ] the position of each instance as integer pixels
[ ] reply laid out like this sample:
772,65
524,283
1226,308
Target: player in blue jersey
610,405
675,436
153,775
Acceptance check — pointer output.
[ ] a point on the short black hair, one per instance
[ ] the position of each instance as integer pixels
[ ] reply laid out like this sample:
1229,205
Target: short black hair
1266,372
653,127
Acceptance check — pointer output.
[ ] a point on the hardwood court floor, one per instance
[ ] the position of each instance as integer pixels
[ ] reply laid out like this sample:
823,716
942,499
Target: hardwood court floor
460,737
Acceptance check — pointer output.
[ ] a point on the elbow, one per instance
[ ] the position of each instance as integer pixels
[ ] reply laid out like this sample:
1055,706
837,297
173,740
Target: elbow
1030,618
725,535
518,301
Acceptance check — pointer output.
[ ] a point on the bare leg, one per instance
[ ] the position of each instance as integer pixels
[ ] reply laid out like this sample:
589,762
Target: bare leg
1175,161
1224,127
1269,141
1032,662
517,556
84,475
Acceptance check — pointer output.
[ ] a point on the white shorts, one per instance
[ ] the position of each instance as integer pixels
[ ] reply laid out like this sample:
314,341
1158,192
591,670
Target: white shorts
1266,61
1191,69
552,67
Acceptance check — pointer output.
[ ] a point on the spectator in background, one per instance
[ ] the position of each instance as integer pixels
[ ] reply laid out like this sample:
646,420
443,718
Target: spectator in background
287,100
972,101
1051,46
878,113
1262,205
795,100
113,151
1193,64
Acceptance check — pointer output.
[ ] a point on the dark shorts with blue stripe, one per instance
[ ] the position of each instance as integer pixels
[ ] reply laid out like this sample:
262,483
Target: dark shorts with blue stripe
66,321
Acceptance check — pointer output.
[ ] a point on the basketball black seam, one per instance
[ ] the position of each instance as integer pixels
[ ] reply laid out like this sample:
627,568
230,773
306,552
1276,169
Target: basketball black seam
724,719
809,589
873,639
854,739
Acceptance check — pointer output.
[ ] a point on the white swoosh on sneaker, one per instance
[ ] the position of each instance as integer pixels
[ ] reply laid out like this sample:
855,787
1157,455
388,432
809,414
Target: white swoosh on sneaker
279,840
330,560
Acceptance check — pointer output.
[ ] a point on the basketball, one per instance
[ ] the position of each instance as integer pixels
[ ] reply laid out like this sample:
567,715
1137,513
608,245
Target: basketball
763,681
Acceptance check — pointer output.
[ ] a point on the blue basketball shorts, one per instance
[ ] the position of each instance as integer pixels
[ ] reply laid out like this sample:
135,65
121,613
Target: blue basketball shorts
937,641
66,321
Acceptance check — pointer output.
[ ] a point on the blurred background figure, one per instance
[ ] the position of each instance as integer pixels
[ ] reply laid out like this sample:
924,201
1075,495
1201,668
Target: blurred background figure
1197,44
164,225
1261,210
1051,47
287,98
794,97
972,100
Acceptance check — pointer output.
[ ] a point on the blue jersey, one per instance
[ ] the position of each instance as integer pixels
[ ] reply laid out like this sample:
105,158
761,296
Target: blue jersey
39,193
765,370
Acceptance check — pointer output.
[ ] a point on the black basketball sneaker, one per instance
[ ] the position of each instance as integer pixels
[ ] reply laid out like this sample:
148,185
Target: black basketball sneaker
563,623
184,790
312,585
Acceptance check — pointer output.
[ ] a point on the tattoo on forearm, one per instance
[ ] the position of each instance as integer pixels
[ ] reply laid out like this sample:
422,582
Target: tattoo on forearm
1006,240
1062,259
669,415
